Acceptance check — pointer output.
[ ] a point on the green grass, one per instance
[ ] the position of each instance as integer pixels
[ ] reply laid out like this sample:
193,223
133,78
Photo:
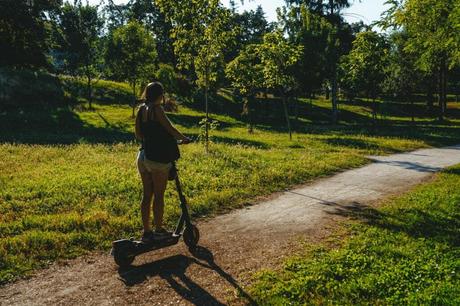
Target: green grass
407,252
69,185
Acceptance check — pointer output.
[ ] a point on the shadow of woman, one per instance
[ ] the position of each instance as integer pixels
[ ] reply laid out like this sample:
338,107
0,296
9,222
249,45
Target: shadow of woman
173,270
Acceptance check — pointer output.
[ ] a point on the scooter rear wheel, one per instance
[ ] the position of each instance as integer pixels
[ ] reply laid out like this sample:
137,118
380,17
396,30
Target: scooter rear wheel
122,260
191,236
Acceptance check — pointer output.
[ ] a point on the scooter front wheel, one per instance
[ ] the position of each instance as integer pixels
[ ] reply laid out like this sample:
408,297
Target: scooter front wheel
191,236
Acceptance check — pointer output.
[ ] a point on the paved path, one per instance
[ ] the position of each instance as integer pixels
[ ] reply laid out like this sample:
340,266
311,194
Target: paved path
232,245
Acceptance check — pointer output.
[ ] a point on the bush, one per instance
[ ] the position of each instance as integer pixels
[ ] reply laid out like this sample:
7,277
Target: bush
174,83
25,87
167,76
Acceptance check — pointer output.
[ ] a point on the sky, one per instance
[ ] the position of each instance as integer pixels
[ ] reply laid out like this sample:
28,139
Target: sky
367,10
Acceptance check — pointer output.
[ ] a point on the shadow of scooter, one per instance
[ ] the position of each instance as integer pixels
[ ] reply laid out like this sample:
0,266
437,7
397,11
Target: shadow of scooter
173,271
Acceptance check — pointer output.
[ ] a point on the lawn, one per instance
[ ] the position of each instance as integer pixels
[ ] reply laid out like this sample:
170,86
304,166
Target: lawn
405,253
69,183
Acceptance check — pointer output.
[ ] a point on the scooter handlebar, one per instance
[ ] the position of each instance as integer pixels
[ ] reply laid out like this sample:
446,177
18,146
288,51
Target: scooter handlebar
182,142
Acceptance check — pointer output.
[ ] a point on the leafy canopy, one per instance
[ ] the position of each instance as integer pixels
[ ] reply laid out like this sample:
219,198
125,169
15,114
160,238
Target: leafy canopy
365,65
278,58
433,28
246,71
201,29
78,30
131,53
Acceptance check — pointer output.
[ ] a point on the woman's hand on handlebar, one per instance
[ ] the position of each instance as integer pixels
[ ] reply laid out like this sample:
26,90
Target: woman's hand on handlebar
185,140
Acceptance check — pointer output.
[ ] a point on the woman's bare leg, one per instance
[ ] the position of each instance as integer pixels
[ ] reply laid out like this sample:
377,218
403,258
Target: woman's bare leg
160,180
146,203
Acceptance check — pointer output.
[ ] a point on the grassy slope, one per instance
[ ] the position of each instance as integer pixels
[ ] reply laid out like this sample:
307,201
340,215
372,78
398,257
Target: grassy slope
407,252
72,185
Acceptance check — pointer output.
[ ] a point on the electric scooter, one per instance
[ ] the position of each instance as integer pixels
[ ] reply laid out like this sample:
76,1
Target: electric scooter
124,251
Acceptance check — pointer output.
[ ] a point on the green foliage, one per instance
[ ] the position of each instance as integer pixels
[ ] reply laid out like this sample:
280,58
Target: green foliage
405,253
212,126
278,57
77,33
322,7
250,26
364,67
455,22
78,51
23,87
167,76
201,31
431,26
131,54
24,32
246,71
432,37
310,30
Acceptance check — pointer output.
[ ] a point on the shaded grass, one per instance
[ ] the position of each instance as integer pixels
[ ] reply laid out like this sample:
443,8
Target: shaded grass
69,182
404,253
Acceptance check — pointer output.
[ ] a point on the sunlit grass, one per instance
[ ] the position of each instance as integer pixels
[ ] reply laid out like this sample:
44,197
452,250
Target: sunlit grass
72,185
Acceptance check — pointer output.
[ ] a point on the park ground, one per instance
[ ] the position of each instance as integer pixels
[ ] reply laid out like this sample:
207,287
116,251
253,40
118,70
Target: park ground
71,187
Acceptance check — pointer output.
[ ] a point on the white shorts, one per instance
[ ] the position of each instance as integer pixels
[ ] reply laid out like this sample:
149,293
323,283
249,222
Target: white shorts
145,165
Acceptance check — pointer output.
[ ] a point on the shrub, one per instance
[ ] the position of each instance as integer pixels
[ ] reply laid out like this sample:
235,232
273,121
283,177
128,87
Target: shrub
174,83
25,87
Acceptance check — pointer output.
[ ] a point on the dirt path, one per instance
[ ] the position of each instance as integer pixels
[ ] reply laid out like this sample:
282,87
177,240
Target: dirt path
232,245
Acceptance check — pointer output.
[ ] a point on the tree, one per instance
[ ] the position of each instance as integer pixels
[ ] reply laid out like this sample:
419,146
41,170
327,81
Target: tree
150,15
115,15
79,47
310,30
278,57
201,30
365,64
24,32
246,74
131,55
403,77
251,26
432,27
331,10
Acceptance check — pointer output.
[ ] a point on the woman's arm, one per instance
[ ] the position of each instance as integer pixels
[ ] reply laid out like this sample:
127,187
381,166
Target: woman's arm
164,121
137,129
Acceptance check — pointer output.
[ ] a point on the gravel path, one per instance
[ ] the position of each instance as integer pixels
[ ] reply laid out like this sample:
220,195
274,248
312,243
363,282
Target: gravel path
232,245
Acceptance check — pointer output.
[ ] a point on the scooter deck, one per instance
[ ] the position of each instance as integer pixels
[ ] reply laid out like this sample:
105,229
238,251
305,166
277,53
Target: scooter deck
136,247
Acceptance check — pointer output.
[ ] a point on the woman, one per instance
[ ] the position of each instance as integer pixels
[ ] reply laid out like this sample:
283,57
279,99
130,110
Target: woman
159,149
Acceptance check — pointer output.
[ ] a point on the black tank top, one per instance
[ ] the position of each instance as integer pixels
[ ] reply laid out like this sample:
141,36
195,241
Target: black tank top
158,144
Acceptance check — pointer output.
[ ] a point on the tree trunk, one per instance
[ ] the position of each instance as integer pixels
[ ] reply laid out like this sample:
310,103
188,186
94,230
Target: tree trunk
374,109
334,77
412,108
90,91
286,114
296,108
249,114
207,117
444,87
134,98
430,98
334,98
441,92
